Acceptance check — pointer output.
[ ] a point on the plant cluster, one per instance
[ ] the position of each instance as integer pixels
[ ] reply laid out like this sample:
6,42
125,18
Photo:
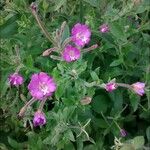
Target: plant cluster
77,77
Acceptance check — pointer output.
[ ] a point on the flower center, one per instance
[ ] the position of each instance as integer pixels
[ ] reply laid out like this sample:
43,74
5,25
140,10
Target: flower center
43,87
72,55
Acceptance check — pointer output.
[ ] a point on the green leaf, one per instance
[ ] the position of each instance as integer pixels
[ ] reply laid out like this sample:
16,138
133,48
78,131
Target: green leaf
117,99
69,135
60,91
117,30
81,67
127,147
9,28
100,103
143,6
148,133
14,143
29,61
58,4
138,142
116,62
94,3
69,146
65,34
94,76
134,100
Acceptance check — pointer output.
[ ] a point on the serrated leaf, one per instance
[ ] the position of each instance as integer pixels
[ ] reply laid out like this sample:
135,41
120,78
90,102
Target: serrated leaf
69,135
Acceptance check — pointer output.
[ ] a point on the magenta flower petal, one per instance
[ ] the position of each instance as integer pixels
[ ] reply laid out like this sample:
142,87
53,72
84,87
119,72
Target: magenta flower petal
70,53
138,88
104,28
81,34
15,79
110,86
41,86
39,119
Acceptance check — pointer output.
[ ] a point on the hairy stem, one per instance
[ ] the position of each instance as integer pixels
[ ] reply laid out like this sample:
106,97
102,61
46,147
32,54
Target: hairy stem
42,105
41,25
24,108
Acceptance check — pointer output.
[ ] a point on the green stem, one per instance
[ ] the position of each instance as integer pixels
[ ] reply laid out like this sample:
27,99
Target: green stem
125,85
56,57
41,105
81,12
117,124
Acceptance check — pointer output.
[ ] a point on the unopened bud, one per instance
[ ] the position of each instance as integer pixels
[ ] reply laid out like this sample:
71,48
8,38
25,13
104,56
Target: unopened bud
90,48
48,51
33,6
86,100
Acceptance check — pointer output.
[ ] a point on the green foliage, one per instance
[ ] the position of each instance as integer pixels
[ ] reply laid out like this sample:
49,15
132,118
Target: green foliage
123,54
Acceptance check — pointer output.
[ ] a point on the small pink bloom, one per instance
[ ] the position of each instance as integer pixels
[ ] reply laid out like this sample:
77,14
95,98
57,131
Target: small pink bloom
123,132
70,53
39,119
15,79
104,28
138,88
41,86
81,34
110,86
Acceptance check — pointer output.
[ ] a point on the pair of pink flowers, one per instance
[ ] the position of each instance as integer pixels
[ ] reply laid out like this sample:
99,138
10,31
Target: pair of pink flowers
137,87
41,85
80,35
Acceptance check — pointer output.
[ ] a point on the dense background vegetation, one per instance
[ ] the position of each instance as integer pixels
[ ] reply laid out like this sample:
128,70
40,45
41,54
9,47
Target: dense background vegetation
123,53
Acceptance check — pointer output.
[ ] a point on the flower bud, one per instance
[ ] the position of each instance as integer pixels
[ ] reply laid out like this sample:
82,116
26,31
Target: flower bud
138,88
110,86
15,79
104,28
39,119
86,100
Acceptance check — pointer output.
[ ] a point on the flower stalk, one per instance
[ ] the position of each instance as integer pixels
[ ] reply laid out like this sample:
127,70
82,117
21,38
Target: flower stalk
41,105
24,108
40,23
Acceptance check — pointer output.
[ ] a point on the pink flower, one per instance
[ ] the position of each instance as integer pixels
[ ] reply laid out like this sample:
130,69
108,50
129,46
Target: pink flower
80,34
138,88
71,53
104,28
39,118
41,86
15,79
110,86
